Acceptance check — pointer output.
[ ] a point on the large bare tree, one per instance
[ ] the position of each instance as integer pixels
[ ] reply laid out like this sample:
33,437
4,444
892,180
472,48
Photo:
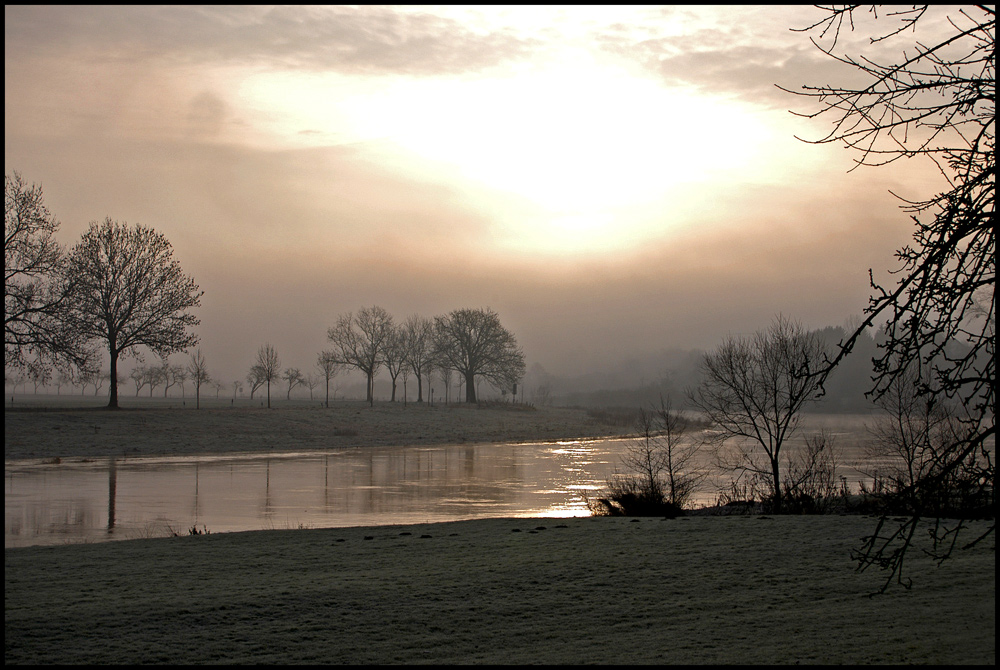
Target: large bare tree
474,343
130,292
937,101
360,341
36,293
753,389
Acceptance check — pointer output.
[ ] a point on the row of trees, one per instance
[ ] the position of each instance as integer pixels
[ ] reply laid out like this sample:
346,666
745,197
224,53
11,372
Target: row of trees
121,288
471,342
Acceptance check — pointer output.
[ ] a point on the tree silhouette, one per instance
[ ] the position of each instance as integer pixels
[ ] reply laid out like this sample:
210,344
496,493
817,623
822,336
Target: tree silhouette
199,375
418,343
293,377
266,370
360,341
394,357
474,343
937,101
36,291
327,363
753,389
130,292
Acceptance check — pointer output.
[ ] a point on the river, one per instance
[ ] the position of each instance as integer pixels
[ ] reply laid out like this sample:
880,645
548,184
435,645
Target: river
126,498
89,501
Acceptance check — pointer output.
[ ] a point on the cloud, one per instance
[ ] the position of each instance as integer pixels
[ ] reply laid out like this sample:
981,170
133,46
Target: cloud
365,40
745,51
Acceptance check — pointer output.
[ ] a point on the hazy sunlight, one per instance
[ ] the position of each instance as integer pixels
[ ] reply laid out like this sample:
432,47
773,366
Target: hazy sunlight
584,144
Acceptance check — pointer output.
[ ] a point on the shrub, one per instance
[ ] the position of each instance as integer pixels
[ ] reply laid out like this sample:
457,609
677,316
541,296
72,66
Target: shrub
628,495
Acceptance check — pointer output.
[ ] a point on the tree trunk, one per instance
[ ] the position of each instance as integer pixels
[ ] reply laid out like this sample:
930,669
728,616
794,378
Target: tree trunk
777,484
113,393
470,387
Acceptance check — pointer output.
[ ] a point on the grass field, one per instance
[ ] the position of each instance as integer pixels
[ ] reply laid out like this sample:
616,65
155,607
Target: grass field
593,590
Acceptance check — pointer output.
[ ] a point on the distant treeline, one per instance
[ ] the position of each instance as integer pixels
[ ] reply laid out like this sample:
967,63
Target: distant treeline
679,370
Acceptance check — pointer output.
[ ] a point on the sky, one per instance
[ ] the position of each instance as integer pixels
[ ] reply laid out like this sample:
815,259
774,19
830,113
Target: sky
613,181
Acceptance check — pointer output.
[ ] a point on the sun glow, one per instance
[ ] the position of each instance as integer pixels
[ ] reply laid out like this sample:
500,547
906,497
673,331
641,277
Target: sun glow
589,150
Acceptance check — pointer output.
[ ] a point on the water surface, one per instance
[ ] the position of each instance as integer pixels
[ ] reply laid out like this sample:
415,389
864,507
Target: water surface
142,497
125,498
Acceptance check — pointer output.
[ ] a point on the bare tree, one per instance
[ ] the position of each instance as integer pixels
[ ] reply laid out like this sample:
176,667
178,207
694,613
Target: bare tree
130,292
809,479
310,382
154,377
360,342
199,375
418,342
639,490
330,367
13,377
293,376
266,370
907,438
752,391
936,101
903,436
63,378
659,476
444,374
255,378
36,292
179,373
140,376
170,374
474,343
92,376
394,357
680,477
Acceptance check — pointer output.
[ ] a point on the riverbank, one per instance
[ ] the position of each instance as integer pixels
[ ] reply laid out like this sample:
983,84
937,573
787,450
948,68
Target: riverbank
729,590
50,432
